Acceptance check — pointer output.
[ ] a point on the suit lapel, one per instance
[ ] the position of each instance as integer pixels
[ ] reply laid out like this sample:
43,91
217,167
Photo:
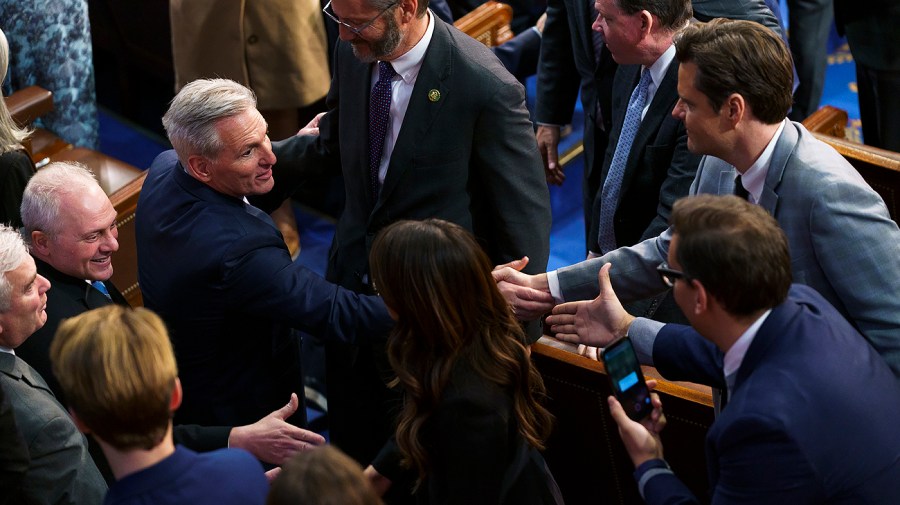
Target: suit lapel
422,112
784,149
354,90
17,369
659,109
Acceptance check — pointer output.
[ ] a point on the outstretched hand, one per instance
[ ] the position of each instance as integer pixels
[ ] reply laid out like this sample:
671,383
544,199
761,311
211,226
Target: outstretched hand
312,128
641,439
595,322
526,294
272,439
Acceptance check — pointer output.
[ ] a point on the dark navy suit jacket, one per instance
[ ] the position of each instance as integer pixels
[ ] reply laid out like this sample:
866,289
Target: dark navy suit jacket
812,416
217,270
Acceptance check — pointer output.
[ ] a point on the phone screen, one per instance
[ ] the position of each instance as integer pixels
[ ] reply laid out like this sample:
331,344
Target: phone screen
628,384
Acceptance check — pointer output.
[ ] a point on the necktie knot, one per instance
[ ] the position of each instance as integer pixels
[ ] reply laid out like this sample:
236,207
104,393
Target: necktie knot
386,71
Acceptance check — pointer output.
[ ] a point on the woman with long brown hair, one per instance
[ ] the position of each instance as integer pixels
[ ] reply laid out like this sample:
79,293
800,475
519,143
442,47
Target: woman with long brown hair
471,424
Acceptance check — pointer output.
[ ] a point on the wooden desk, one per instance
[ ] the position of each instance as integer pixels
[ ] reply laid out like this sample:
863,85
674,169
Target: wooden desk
585,453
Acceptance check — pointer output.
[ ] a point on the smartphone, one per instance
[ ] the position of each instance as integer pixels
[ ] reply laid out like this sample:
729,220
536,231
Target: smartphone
627,379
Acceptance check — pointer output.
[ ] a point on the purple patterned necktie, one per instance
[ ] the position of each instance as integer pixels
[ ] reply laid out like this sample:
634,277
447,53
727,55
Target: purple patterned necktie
379,112
612,185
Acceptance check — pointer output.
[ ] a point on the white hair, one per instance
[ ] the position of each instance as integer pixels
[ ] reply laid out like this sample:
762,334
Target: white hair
40,202
190,122
12,253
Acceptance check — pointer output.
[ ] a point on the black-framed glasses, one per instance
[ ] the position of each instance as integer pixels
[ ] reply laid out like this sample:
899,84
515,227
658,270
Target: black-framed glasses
356,30
668,275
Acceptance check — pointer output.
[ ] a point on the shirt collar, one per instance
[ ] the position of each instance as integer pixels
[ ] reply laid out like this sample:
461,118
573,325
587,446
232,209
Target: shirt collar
755,177
735,356
409,63
661,65
7,350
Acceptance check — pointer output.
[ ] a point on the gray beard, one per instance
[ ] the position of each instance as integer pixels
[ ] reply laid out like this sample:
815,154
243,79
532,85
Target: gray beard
382,47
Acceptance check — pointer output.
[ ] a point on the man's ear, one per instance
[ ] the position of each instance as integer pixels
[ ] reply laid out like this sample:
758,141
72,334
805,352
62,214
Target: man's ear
177,393
199,167
646,23
734,108
40,243
701,297
78,422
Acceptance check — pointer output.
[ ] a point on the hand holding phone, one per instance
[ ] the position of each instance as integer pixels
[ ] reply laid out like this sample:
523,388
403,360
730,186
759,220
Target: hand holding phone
624,372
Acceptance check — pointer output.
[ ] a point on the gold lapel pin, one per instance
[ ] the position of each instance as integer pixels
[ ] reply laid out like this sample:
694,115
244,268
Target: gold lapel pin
434,95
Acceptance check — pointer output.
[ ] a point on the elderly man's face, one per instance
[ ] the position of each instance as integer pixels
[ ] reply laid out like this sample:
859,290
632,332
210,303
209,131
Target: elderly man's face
621,32
87,236
244,165
28,302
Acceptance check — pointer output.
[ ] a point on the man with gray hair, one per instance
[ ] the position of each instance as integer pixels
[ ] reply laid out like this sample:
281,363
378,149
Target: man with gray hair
215,268
60,468
71,225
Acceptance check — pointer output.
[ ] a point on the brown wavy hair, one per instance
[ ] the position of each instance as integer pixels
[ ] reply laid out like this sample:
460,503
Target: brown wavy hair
437,280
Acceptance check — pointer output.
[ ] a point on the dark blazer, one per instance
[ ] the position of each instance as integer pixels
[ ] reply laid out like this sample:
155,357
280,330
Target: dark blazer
16,169
468,157
66,298
476,453
69,297
218,272
61,470
659,170
14,458
812,416
569,65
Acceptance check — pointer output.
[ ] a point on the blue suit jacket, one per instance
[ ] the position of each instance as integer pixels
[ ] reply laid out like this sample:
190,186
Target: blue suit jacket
812,417
843,243
218,272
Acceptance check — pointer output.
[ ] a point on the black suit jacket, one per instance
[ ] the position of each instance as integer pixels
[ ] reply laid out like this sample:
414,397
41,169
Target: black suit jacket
468,157
659,170
66,298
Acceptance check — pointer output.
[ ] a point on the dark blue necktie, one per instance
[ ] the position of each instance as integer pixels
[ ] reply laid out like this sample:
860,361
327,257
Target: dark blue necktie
612,185
99,286
739,189
379,115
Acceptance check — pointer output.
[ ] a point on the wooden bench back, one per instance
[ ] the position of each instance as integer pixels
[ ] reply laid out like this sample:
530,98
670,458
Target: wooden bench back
879,167
488,23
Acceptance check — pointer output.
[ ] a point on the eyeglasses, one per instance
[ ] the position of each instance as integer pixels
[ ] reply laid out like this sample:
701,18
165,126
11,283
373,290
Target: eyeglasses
357,31
669,276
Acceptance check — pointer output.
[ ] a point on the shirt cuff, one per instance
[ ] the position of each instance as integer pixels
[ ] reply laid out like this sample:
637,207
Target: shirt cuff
642,333
553,286
649,469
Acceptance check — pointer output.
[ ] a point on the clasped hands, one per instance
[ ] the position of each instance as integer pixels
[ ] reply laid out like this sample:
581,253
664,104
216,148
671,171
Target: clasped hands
594,322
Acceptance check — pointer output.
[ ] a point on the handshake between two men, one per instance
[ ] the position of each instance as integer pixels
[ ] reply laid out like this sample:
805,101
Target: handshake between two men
593,323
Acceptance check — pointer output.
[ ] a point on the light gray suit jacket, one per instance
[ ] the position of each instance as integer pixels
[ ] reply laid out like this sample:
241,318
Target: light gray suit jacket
842,240
61,470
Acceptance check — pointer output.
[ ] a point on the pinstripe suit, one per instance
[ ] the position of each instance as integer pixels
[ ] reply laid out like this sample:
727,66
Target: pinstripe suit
843,243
